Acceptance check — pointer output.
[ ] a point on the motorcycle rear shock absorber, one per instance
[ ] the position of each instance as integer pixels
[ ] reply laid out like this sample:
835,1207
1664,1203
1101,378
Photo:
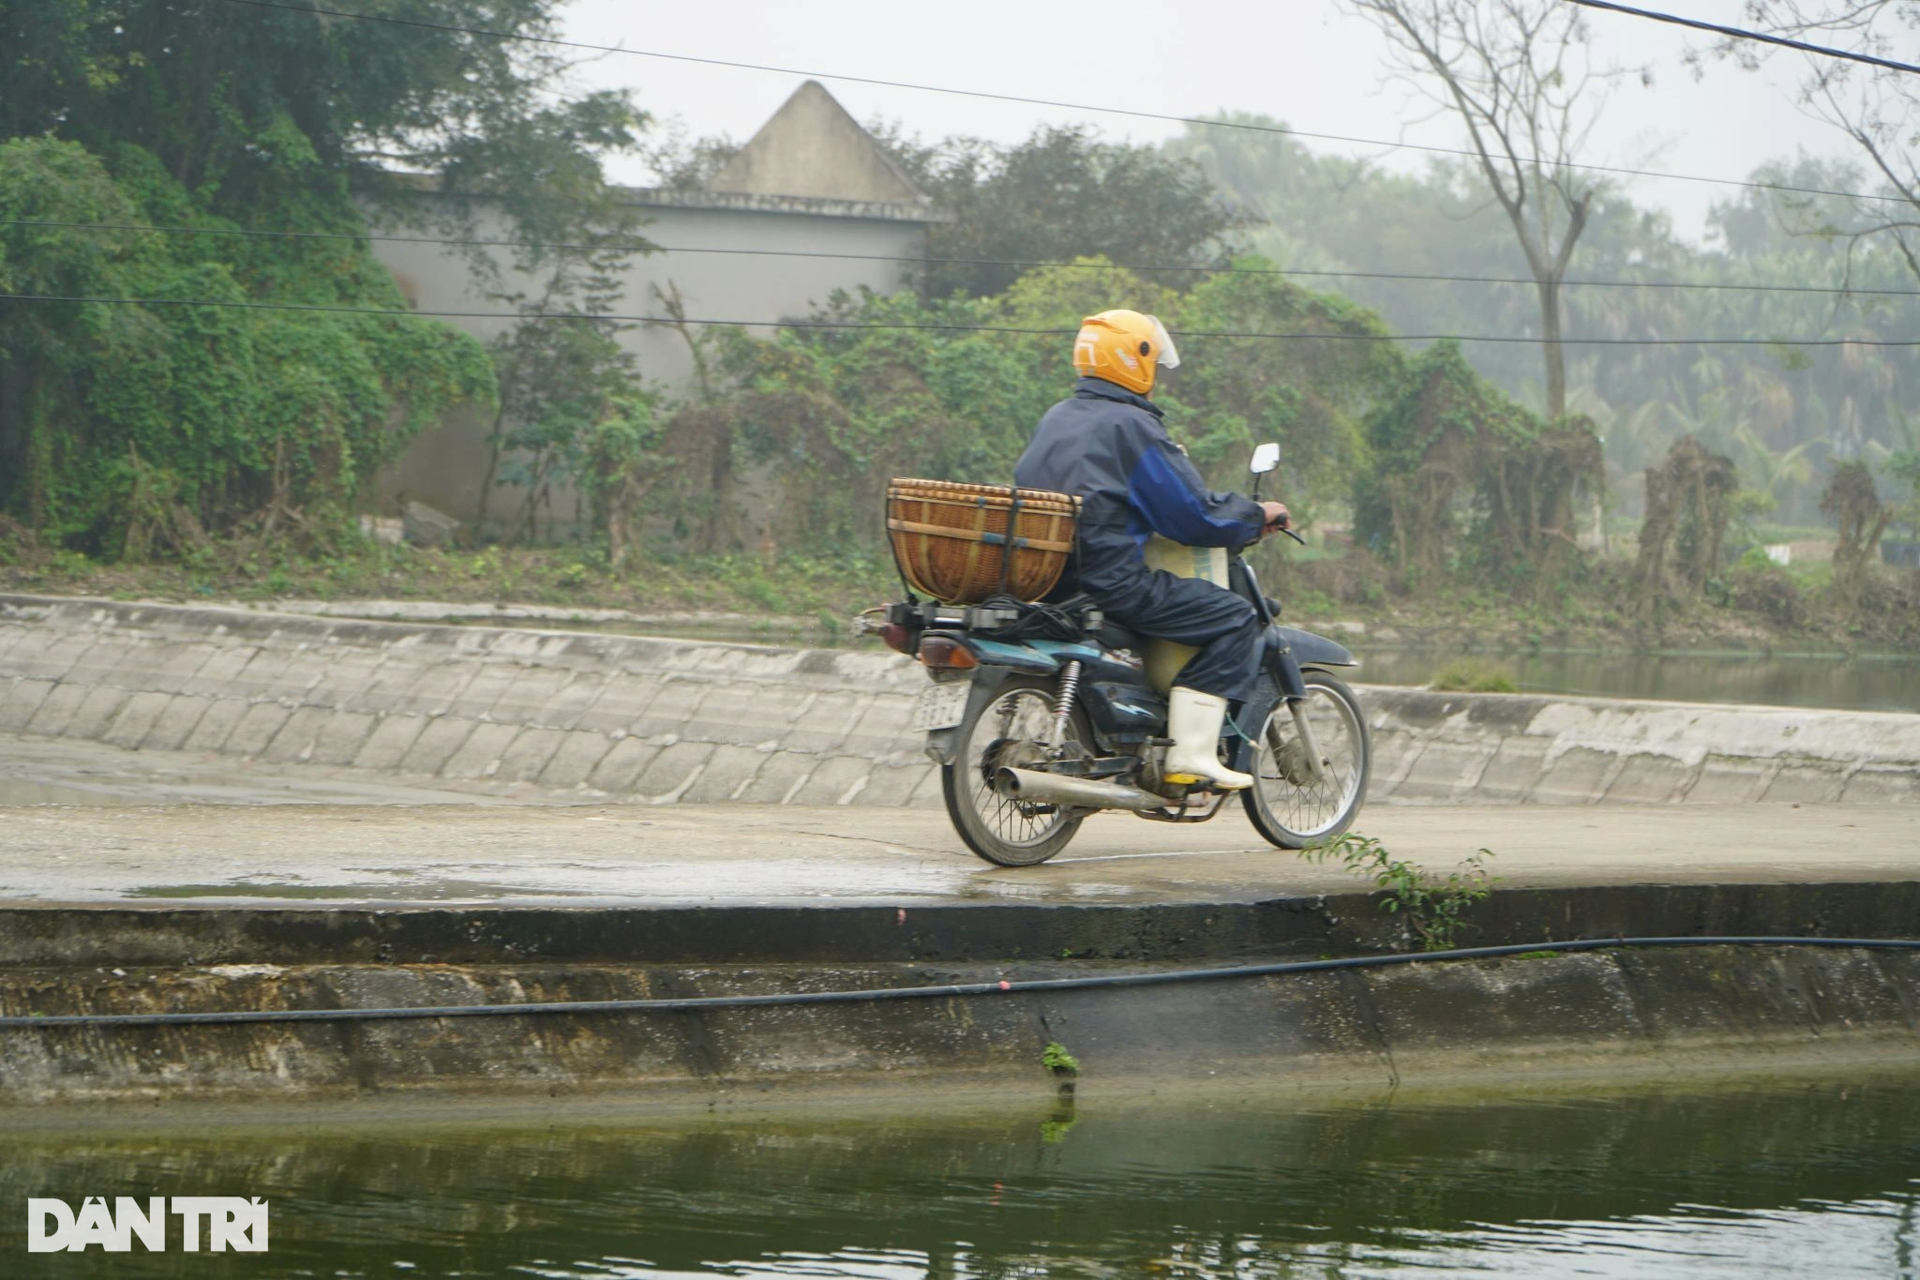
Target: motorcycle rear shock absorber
1063,705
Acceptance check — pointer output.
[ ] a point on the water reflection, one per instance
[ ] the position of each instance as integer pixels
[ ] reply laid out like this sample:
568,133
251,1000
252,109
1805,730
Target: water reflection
1818,1179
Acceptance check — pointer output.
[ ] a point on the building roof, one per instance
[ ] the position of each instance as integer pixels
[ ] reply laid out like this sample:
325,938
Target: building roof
812,148
812,206
811,157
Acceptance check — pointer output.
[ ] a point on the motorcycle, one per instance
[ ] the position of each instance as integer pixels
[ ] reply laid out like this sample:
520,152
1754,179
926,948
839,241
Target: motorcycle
1040,715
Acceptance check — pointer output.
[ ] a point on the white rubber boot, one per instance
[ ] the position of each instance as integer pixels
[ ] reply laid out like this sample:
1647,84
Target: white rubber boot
1193,722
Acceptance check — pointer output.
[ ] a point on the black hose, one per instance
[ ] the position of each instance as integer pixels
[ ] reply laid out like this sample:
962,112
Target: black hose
695,1004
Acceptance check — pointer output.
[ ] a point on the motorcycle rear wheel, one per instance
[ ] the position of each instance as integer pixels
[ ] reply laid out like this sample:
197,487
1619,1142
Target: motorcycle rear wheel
1310,813
1013,723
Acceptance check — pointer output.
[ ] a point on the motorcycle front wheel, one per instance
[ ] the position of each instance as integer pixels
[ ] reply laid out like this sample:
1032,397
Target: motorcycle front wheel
1010,730
1289,806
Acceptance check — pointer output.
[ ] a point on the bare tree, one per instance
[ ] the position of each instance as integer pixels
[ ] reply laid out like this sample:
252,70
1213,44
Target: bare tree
1519,74
1878,108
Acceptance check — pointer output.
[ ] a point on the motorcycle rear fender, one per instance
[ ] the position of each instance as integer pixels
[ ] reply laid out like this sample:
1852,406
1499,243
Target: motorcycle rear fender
943,745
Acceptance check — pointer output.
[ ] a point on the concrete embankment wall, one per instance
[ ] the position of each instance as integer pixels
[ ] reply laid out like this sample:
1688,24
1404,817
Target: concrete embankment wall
667,721
1617,1014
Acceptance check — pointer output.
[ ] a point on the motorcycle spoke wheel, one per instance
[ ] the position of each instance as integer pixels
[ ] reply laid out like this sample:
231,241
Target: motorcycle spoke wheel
1011,728
1289,805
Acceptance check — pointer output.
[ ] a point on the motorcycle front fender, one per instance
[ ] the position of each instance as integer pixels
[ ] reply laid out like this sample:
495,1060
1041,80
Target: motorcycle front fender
1287,650
1280,662
1310,650
1278,659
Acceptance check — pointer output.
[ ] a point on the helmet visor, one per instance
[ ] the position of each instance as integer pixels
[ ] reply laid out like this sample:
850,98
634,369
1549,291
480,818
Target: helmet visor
1163,343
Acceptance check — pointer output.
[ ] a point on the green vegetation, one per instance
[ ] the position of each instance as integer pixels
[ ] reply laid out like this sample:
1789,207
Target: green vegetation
141,431
136,431
1469,676
1434,909
829,414
1056,1059
1786,414
196,450
1055,1128
1053,195
828,589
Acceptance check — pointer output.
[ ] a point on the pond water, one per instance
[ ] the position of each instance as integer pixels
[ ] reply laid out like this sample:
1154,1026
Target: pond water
1860,682
1813,1179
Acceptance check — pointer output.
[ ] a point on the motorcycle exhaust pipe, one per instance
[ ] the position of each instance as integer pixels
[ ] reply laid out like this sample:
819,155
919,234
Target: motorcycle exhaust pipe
1075,793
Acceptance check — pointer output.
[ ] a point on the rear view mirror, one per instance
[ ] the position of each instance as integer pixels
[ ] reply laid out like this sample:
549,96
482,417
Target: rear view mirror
1265,458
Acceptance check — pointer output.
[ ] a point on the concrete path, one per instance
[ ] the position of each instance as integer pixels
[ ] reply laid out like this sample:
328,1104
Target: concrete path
46,771
85,822
609,854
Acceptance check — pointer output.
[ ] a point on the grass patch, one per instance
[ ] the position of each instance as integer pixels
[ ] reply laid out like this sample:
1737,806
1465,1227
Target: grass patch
834,585
1468,676
810,586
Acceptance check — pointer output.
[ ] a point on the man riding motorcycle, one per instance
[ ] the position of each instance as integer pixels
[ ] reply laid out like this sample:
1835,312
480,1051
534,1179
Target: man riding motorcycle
1107,445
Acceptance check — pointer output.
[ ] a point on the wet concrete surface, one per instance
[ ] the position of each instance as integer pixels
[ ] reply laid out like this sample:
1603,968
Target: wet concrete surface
41,771
282,888
84,822
594,855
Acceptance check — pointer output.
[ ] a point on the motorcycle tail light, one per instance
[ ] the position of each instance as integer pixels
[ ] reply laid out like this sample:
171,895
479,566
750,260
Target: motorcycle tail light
945,651
896,637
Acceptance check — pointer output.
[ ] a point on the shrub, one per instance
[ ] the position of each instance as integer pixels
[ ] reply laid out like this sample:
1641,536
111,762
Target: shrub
1768,590
1468,676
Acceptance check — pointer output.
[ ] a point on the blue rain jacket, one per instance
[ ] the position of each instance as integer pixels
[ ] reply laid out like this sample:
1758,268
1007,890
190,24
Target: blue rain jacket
1108,445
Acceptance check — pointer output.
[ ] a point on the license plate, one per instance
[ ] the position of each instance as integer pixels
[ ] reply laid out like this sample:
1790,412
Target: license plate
941,706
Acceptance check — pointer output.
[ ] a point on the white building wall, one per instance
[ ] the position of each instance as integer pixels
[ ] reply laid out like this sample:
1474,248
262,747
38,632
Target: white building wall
445,467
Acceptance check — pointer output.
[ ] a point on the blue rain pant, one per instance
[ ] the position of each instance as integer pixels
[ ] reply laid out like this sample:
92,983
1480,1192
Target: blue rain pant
1193,611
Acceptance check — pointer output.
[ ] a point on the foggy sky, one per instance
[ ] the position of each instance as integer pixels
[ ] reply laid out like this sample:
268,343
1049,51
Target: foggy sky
1298,60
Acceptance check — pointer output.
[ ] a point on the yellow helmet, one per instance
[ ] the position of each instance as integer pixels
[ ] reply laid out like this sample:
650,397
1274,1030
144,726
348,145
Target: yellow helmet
1123,347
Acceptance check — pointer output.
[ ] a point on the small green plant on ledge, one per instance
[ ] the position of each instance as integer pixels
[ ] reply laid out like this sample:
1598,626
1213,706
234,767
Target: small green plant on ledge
1433,908
1056,1059
1468,676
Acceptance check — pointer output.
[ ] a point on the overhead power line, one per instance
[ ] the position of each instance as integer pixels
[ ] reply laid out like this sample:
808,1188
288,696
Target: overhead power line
936,326
1740,33
1145,267
1135,113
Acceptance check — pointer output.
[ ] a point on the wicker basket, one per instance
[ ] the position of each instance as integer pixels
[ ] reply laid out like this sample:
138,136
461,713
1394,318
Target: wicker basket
949,539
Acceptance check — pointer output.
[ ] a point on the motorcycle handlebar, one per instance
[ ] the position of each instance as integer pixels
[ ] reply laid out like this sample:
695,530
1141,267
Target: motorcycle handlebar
1242,550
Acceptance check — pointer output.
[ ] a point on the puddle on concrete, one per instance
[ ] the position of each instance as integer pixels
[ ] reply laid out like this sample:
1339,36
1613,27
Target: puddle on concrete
1816,1179
411,890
